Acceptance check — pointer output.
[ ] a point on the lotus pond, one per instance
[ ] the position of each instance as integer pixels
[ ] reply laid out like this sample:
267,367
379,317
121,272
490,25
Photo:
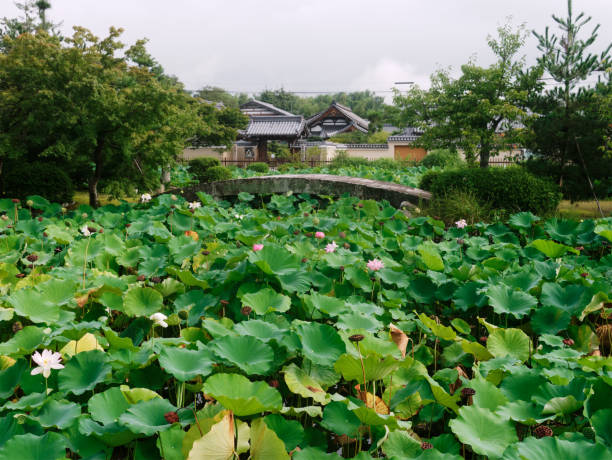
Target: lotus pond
296,328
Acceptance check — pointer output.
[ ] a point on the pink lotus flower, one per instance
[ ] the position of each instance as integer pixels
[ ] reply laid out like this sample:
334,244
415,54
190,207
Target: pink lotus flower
461,223
257,247
320,235
331,247
375,265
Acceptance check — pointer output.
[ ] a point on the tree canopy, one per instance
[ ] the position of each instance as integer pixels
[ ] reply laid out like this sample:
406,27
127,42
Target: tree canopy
106,111
481,111
573,118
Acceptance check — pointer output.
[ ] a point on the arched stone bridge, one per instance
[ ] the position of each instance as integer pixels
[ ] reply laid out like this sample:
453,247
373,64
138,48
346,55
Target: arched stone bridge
315,184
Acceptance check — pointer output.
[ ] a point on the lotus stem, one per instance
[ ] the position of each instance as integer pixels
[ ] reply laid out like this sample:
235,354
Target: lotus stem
85,260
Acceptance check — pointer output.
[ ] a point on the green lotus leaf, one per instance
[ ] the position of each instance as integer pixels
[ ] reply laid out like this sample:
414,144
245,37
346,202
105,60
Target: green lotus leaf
260,329
34,305
274,260
313,453
602,424
290,431
170,443
509,342
59,414
106,407
50,446
147,417
83,372
522,411
265,442
571,298
112,434
266,300
376,367
320,343
422,289
339,419
504,299
142,301
487,395
299,382
487,433
11,377
186,364
552,249
443,332
134,395
246,352
241,396
550,320
552,448
562,405
468,295
329,305
523,220
311,411
400,444
431,258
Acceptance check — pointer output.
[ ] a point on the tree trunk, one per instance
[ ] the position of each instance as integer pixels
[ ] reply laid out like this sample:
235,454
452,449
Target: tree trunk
94,179
485,154
165,179
94,202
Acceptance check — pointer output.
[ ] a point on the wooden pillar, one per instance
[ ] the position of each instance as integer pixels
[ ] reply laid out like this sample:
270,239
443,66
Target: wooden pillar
262,150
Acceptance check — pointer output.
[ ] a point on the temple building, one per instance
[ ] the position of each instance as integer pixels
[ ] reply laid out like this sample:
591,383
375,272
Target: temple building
334,120
269,123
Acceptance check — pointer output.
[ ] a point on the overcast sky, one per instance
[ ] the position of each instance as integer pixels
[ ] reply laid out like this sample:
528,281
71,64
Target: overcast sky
315,45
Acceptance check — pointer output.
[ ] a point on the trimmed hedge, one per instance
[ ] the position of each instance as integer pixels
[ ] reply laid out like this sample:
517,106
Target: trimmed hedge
199,166
22,179
216,173
259,167
510,189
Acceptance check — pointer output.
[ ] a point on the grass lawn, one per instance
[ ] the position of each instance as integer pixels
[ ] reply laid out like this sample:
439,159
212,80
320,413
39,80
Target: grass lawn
82,197
584,209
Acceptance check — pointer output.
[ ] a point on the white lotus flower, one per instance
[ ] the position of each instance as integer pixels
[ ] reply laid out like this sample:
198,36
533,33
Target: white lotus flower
85,231
159,319
145,197
46,361
194,205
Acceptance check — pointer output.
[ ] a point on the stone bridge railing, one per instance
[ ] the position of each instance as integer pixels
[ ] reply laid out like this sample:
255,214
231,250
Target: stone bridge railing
315,184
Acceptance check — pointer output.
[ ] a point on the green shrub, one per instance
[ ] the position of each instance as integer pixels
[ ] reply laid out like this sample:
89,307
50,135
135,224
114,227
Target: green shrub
510,189
385,163
199,166
343,160
455,206
216,173
442,158
575,186
259,167
21,179
288,166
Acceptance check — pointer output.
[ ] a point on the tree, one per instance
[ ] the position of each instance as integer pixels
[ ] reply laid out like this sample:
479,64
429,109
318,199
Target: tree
99,108
34,18
572,122
482,111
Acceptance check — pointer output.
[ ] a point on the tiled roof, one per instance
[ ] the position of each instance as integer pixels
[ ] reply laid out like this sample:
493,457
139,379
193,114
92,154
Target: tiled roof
254,107
355,120
410,134
275,126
